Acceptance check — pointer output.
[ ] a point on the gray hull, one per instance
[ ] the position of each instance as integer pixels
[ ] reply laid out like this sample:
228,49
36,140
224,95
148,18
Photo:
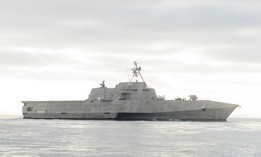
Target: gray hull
162,110
128,101
178,115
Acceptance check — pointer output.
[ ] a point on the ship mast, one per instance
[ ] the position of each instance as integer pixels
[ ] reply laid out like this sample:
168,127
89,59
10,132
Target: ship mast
136,72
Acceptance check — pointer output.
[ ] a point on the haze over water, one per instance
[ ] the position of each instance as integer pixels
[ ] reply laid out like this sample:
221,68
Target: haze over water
59,50
80,138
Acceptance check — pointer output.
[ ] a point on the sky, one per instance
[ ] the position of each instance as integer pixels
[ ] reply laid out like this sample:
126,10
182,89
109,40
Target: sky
60,49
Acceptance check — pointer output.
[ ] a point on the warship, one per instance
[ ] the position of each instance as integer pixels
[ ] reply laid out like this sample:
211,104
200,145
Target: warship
132,100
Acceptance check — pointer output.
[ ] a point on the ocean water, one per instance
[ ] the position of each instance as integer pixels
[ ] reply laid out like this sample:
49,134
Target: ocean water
83,138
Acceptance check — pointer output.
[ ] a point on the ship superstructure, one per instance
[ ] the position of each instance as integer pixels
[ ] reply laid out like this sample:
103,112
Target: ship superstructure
130,100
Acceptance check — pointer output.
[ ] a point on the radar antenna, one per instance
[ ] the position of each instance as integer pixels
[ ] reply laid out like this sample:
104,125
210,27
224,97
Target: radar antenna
136,71
103,84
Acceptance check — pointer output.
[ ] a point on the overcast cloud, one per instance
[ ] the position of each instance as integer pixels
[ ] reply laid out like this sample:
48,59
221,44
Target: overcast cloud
180,44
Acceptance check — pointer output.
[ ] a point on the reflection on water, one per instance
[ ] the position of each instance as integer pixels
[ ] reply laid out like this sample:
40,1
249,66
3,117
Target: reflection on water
23,137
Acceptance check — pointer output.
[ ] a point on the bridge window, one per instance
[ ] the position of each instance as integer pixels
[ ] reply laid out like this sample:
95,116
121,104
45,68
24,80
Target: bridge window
30,109
146,90
135,90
